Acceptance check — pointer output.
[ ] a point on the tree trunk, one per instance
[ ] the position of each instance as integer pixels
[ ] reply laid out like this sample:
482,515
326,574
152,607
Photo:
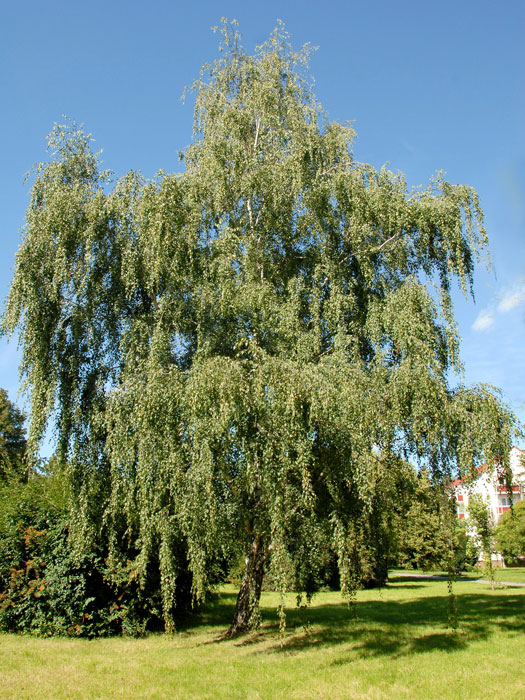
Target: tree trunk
246,615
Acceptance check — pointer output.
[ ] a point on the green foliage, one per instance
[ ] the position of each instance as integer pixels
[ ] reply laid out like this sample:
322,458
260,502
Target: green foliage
46,587
422,525
481,518
510,532
468,550
243,352
12,439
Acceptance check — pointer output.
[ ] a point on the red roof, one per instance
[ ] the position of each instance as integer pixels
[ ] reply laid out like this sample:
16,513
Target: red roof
480,469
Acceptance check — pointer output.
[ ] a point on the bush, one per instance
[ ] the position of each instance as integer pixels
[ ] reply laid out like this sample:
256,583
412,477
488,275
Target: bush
47,588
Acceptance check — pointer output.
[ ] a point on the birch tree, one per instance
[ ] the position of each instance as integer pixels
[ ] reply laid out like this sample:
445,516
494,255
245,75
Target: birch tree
239,355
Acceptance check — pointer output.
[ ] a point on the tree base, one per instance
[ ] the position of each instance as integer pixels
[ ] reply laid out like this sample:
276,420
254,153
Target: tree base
246,615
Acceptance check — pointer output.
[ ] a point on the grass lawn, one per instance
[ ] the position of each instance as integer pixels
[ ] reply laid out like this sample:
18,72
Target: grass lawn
398,646
512,574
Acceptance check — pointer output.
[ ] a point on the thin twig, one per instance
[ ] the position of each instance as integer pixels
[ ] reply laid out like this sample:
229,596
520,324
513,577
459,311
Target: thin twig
258,122
393,237
376,249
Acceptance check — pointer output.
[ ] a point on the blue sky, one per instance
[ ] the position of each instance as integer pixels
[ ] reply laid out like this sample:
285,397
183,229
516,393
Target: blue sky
429,86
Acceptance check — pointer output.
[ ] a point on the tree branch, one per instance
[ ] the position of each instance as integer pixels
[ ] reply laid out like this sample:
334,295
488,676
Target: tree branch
375,249
258,123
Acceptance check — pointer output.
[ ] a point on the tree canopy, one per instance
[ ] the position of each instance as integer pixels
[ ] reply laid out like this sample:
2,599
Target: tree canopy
239,355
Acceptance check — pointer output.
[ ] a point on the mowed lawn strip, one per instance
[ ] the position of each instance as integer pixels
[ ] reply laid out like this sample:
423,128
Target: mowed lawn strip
396,645
513,574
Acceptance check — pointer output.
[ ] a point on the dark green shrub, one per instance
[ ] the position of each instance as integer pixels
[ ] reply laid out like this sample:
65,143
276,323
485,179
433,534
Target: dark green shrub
47,588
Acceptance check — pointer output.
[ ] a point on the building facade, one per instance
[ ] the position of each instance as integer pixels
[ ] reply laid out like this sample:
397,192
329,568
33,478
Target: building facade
490,487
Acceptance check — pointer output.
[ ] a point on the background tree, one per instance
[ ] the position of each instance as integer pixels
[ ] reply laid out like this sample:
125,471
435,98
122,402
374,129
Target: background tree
510,532
422,525
481,519
12,438
239,355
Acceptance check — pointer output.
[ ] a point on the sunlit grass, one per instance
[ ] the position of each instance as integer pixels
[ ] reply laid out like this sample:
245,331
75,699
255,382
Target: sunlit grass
514,574
397,645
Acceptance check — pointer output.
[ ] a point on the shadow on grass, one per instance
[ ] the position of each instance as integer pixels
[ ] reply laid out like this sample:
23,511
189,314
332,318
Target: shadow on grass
217,612
399,628
381,627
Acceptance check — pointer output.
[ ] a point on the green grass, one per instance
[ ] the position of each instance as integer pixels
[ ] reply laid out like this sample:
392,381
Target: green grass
397,646
510,574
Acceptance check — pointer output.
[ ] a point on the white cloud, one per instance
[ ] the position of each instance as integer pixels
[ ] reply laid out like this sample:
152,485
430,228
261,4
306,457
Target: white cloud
506,300
484,321
511,299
